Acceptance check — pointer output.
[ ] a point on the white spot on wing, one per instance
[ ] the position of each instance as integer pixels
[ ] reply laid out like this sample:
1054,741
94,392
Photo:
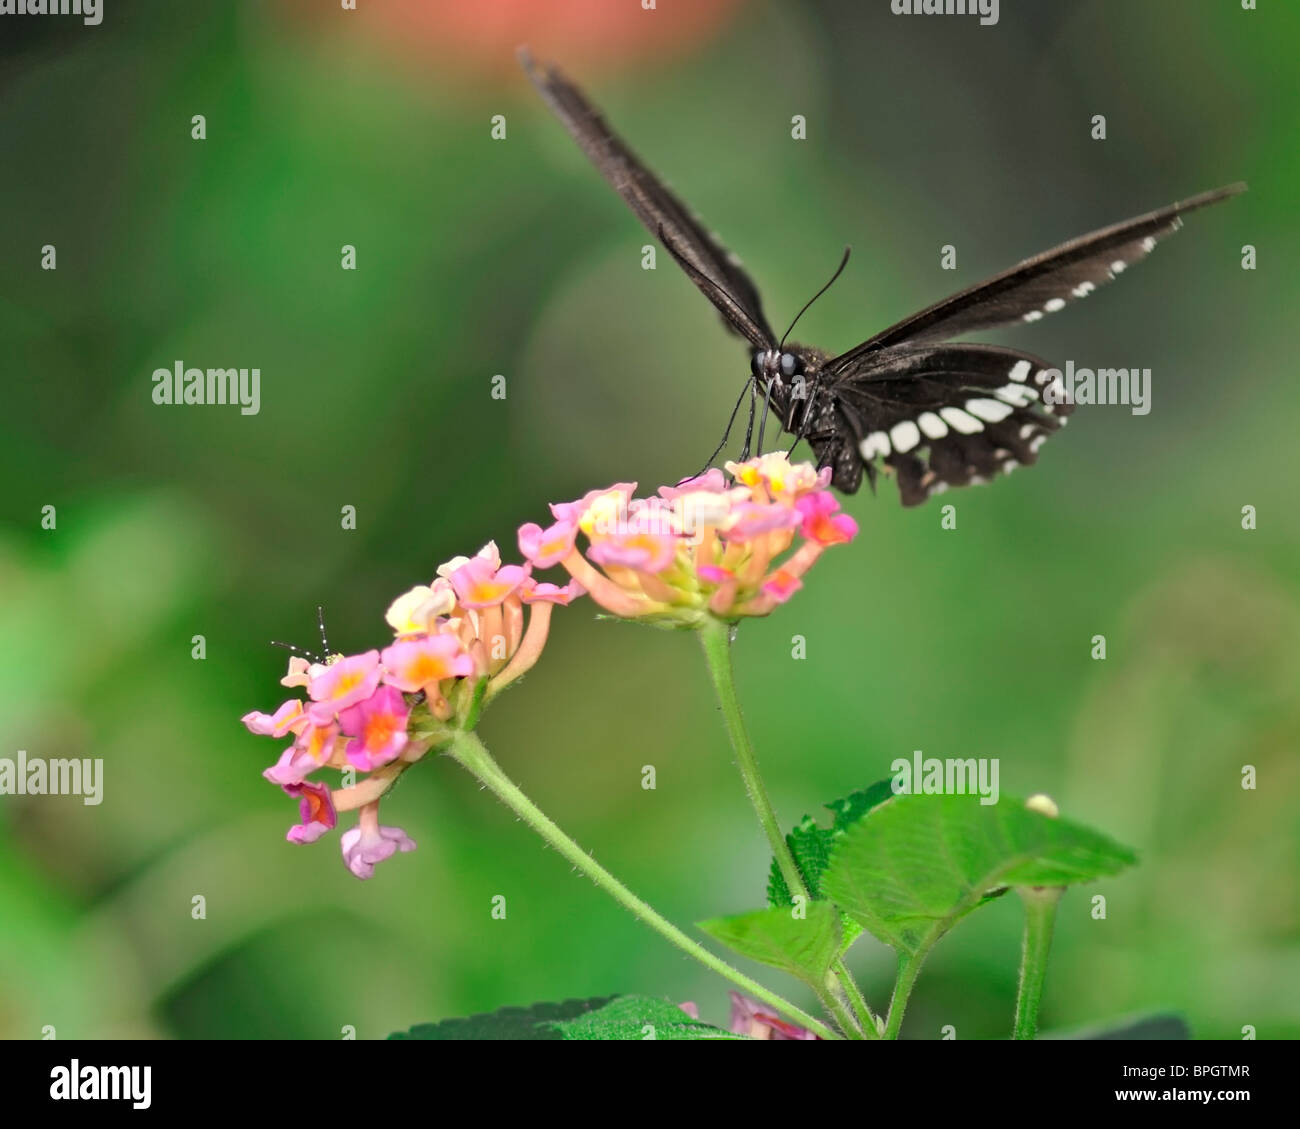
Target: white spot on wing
877,443
1118,266
990,410
1033,315
1148,244
1018,395
1054,304
1084,289
905,436
932,425
960,421
1020,370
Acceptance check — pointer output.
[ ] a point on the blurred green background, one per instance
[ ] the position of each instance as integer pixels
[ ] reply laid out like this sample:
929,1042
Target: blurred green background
479,257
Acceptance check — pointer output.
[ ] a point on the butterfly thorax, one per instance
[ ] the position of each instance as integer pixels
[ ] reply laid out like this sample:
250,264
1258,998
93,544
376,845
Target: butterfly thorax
789,378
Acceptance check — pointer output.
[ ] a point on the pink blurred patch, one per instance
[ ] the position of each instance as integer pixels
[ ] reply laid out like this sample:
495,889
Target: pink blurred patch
590,36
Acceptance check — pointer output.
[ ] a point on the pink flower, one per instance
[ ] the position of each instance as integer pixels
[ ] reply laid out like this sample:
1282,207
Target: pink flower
700,548
488,553
316,808
288,717
293,767
344,683
460,640
479,584
748,520
319,742
781,585
536,592
377,727
368,843
820,521
749,1018
547,547
646,552
300,672
711,481
414,664
577,511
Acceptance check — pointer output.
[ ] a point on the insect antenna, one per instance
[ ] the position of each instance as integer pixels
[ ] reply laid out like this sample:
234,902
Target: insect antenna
315,659
320,660
838,271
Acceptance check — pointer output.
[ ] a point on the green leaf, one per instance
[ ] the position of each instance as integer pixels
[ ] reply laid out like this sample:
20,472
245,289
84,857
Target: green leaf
534,1022
638,1017
857,804
811,847
811,844
803,947
1166,1025
922,862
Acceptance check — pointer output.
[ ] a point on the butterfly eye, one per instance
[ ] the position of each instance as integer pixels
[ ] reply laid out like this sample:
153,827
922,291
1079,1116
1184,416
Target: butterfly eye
790,364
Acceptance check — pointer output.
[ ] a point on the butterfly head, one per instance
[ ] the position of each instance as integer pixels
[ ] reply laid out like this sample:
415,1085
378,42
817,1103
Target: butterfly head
779,365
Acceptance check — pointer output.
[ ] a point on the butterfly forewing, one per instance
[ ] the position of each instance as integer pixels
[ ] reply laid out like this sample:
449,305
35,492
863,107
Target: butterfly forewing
1041,285
949,415
936,415
655,205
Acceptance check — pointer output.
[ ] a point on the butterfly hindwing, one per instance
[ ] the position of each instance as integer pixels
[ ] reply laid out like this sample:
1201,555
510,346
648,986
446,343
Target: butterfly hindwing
949,415
1043,284
663,214
936,415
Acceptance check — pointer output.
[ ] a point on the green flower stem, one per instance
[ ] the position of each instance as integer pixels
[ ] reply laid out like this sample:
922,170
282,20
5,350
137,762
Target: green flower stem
716,637
856,999
1040,920
835,1005
908,970
471,753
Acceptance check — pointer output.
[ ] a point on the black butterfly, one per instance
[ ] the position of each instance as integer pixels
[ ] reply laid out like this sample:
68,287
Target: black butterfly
976,409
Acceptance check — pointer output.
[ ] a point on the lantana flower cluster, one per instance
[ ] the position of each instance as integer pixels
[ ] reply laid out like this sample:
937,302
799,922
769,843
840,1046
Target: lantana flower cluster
703,548
458,641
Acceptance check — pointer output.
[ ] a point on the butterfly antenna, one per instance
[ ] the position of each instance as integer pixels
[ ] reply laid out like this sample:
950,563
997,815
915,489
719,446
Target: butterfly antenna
320,622
297,651
838,271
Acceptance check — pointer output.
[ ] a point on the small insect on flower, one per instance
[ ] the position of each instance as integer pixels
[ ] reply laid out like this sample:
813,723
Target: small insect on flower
458,641
326,656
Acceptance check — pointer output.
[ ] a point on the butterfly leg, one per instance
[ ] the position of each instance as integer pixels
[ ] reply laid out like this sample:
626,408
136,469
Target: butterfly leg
762,423
749,430
809,401
725,435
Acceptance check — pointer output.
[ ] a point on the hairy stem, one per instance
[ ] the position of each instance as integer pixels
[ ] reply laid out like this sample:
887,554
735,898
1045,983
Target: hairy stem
1040,920
716,638
472,754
